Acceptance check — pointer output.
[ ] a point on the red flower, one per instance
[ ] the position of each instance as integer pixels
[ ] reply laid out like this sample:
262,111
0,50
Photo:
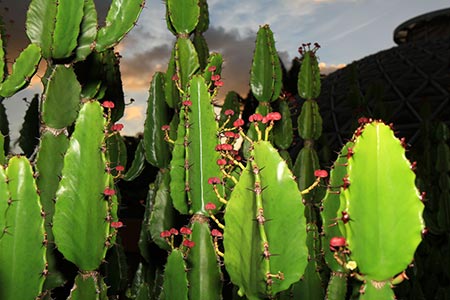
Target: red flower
255,118
321,173
216,233
337,242
165,127
109,192
188,243
120,168
238,123
187,103
218,83
185,230
117,127
108,104
215,77
175,77
173,231
214,180
165,234
116,224
221,162
210,206
229,112
212,68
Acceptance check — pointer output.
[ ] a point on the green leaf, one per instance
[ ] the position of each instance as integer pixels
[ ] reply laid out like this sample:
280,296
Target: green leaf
69,15
383,204
79,223
121,18
22,254
22,70
183,15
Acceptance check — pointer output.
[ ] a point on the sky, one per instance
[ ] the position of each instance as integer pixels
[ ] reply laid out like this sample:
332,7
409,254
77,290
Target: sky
347,30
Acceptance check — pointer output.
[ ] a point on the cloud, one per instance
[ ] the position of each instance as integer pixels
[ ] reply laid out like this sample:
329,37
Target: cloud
134,113
330,68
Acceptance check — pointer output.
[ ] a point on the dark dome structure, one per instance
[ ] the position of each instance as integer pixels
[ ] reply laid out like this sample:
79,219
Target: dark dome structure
406,85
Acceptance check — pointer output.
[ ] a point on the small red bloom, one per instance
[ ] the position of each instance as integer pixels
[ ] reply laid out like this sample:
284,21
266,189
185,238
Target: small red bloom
218,83
214,180
212,68
165,234
117,127
175,77
108,104
188,243
221,162
165,127
109,192
120,168
210,206
275,116
187,103
255,118
116,224
173,231
224,147
216,233
229,112
321,173
363,120
337,242
185,230
238,123
230,134
215,77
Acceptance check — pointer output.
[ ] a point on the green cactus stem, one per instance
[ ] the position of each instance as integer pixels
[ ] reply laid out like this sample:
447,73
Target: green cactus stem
121,18
205,277
2,152
264,238
156,149
283,131
62,81
137,165
22,239
23,69
88,286
380,180
88,31
182,16
82,212
175,277
29,133
266,77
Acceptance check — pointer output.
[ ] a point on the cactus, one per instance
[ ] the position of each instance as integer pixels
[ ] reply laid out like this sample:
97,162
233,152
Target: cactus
23,240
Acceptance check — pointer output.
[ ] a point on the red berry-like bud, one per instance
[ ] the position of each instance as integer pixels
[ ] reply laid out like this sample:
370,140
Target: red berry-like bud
255,118
165,127
227,147
116,224
218,83
187,103
175,77
108,104
117,127
173,231
363,120
120,168
165,234
215,77
238,123
214,180
212,68
229,112
185,230
337,242
221,162
109,192
216,233
230,134
321,173
210,206
188,243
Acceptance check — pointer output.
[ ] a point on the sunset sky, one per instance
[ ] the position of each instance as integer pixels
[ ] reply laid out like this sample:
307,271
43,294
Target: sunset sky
347,30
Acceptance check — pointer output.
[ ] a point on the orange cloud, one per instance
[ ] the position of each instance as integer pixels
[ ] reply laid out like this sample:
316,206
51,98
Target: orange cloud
327,69
134,113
